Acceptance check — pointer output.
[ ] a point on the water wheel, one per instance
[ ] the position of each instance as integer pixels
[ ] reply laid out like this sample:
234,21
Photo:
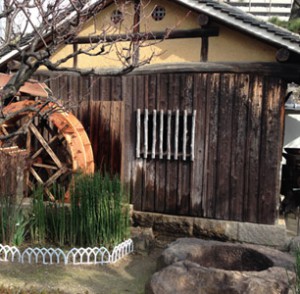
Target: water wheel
55,140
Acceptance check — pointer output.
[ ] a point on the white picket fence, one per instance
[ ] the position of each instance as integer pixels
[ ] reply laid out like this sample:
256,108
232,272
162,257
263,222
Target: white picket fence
75,256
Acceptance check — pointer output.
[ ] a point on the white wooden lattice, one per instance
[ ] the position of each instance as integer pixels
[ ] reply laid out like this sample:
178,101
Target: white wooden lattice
75,256
165,134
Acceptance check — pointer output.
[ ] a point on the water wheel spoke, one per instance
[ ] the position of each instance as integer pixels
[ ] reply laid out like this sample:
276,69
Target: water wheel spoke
46,166
30,184
36,176
55,176
49,194
3,129
40,150
43,142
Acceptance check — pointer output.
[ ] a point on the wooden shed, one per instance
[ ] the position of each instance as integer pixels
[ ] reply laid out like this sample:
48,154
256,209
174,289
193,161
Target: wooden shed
198,139
199,132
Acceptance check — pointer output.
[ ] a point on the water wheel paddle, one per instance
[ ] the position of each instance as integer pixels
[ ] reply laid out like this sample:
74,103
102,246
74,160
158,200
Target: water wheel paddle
55,140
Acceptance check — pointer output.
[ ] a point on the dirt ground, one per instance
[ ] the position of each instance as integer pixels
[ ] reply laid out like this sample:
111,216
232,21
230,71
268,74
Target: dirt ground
126,276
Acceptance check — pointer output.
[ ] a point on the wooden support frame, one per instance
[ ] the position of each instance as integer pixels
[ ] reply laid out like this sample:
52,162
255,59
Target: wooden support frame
176,34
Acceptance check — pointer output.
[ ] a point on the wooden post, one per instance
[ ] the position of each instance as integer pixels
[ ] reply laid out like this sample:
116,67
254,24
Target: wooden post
75,58
136,29
138,133
169,136
184,134
203,20
154,134
193,135
146,134
176,134
161,135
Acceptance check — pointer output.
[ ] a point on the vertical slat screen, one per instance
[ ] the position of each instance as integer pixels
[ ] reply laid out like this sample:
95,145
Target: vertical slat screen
151,126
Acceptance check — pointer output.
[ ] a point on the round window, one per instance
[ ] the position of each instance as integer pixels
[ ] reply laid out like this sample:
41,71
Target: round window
116,16
158,13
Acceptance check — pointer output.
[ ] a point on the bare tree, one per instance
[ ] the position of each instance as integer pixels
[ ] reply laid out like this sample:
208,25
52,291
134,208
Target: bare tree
35,29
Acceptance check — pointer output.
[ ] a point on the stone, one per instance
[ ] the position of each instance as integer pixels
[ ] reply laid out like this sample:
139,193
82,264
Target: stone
215,229
142,219
294,244
190,278
270,235
143,238
191,265
176,226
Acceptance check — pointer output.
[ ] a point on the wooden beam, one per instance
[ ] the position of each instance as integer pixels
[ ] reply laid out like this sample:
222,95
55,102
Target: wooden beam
204,49
136,29
176,34
75,59
289,72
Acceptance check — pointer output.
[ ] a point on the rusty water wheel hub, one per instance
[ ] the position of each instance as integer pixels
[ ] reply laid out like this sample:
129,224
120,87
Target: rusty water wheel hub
191,265
55,141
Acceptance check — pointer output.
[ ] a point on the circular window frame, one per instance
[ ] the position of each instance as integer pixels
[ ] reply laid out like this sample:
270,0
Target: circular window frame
158,13
116,16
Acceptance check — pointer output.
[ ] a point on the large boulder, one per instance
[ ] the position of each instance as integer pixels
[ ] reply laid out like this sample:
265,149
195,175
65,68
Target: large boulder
191,265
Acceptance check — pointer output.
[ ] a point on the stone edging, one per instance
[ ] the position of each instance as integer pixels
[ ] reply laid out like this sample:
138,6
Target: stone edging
269,235
75,256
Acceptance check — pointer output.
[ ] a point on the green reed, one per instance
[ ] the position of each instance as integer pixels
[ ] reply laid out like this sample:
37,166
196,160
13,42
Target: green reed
99,211
58,219
97,215
38,217
13,222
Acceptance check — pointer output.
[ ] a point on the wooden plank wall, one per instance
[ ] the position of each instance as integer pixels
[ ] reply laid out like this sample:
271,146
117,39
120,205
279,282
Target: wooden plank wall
239,127
11,172
96,101
235,173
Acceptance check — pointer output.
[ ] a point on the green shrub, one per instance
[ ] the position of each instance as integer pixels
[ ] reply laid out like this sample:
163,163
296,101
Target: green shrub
276,21
294,25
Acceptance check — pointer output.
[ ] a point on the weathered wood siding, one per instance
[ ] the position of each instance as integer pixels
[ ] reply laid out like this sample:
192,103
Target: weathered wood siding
12,165
96,101
235,174
238,139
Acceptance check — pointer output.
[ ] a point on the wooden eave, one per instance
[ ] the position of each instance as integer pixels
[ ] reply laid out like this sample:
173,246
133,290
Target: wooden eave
288,72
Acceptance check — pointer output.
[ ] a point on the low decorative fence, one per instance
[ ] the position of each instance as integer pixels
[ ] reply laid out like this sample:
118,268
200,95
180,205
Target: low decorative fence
75,256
